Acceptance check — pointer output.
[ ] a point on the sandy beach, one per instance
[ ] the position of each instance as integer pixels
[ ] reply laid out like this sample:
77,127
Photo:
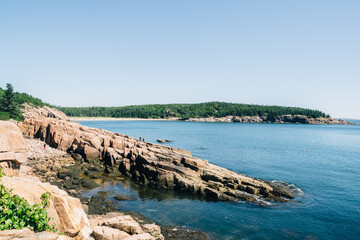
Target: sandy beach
76,119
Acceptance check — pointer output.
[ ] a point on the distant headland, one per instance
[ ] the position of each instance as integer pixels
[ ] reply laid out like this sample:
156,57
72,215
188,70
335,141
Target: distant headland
11,102
204,112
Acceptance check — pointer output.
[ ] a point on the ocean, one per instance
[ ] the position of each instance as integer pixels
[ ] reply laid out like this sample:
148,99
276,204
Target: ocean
322,162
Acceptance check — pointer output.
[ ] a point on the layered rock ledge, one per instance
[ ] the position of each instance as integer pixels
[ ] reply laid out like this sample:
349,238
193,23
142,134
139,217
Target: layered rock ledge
151,164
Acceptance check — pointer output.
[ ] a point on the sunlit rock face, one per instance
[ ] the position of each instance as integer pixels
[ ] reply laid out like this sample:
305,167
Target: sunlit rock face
12,148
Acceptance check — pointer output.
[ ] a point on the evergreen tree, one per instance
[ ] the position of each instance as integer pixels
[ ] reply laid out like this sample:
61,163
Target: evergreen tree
8,103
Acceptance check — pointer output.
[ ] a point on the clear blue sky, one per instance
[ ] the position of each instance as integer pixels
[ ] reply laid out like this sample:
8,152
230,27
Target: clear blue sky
302,53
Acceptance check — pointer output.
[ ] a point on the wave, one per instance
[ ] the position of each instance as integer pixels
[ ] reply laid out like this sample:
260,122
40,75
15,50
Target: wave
258,199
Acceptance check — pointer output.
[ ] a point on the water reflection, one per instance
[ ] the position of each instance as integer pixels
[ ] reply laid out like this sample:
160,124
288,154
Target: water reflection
134,192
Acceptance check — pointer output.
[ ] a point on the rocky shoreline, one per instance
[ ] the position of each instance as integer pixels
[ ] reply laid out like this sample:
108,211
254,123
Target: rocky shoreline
150,164
30,165
294,119
60,169
297,119
75,158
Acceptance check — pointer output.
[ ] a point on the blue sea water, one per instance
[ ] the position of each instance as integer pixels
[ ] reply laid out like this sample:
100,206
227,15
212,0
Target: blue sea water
322,160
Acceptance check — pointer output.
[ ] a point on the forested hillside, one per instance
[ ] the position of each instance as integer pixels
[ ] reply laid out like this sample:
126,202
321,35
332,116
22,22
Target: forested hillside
215,109
10,102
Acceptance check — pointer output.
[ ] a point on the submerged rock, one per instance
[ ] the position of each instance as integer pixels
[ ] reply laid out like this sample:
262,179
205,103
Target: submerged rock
181,233
98,205
122,197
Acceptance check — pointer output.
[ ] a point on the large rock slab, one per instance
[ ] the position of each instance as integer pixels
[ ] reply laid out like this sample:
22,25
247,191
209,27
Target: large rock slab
108,233
113,223
11,138
12,148
66,212
124,223
154,230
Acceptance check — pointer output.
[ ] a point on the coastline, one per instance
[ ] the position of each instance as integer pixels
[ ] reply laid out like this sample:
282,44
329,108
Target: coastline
285,119
41,165
44,168
118,152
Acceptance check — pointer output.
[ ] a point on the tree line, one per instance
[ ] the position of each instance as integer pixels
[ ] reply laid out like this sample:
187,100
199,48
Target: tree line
11,102
184,111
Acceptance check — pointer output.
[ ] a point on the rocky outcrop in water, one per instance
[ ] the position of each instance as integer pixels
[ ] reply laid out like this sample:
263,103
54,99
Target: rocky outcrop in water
151,164
300,119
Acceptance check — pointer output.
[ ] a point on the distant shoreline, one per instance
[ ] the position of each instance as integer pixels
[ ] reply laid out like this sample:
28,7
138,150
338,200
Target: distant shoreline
118,119
297,119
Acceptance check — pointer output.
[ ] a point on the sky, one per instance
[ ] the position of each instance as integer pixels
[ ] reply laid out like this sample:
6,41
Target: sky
115,53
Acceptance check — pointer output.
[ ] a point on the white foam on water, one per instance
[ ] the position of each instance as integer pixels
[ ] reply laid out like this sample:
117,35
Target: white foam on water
297,192
258,199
